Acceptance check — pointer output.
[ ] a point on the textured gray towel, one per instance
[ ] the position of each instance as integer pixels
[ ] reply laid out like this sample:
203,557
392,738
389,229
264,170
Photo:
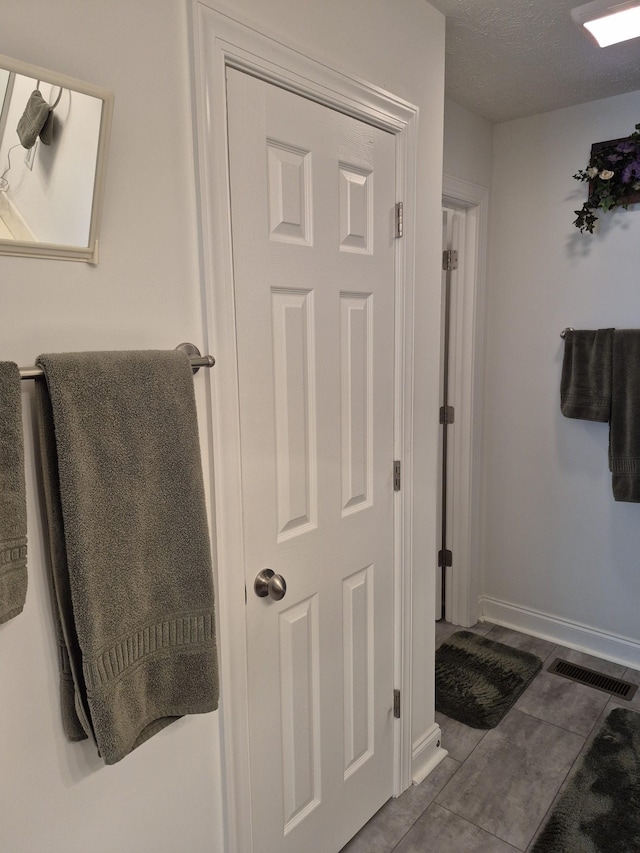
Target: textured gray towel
35,121
13,504
585,385
624,432
130,553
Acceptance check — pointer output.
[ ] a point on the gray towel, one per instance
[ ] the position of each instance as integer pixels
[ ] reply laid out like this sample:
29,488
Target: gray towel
36,120
13,503
585,385
624,432
130,554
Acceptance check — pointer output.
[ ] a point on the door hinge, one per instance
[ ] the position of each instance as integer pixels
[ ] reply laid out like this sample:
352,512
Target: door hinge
449,260
447,414
396,475
445,558
399,219
396,704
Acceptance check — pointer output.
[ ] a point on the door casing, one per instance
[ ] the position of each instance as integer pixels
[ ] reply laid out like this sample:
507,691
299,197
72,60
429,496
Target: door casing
220,41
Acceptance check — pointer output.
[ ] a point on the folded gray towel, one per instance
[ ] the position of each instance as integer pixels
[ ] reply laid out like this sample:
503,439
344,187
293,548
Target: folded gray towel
36,120
130,553
624,433
585,385
13,503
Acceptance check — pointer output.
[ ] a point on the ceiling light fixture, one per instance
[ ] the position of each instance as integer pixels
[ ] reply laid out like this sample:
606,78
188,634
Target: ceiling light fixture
609,23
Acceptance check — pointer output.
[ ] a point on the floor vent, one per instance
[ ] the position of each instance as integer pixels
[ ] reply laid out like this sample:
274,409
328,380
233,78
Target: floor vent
614,686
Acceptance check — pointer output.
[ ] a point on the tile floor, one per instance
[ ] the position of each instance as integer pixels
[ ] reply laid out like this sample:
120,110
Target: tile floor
493,791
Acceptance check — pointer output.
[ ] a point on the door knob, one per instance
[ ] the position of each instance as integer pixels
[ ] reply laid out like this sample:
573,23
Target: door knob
268,583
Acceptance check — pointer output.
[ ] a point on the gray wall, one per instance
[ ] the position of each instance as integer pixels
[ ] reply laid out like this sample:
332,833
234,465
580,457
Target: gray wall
556,542
559,556
147,293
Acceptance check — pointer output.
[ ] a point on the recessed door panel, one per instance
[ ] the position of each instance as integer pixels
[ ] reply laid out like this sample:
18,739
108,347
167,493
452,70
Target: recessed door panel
300,697
358,668
294,411
289,188
356,400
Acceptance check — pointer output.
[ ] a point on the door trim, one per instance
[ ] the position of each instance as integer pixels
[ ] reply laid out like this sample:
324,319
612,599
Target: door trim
467,316
221,41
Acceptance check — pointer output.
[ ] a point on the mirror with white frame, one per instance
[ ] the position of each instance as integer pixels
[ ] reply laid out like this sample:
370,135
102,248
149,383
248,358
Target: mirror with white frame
54,135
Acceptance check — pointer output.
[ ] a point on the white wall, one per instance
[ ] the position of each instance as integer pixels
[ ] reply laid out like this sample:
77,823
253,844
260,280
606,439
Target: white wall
57,796
468,145
167,795
561,557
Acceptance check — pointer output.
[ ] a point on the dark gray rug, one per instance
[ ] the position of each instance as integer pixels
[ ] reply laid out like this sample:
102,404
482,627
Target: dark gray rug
599,811
478,680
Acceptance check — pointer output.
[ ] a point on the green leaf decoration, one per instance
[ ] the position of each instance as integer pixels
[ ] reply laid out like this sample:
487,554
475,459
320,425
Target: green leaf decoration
613,174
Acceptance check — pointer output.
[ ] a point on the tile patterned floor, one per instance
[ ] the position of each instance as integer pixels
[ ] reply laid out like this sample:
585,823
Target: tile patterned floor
493,791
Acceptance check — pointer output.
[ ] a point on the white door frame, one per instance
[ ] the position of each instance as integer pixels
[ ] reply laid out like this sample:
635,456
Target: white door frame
220,40
467,319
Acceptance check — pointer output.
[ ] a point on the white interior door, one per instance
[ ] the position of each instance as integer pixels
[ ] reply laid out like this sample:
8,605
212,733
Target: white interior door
312,197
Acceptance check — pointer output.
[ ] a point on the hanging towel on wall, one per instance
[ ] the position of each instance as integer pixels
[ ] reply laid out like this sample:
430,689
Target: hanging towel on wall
601,382
585,385
13,504
129,544
36,120
624,432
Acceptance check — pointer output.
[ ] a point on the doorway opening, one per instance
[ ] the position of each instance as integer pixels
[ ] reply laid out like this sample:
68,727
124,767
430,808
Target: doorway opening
464,218
453,225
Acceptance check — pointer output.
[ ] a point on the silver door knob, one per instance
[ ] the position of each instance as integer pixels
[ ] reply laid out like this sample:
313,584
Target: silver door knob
268,583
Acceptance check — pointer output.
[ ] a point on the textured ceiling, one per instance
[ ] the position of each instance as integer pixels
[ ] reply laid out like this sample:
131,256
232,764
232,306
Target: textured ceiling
511,58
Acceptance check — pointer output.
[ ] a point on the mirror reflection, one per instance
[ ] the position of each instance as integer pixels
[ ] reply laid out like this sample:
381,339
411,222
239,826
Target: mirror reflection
53,133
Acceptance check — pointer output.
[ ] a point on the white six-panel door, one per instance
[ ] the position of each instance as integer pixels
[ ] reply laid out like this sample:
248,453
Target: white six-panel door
312,197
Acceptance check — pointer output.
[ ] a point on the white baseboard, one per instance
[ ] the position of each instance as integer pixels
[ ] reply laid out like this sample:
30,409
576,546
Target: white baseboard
563,632
426,754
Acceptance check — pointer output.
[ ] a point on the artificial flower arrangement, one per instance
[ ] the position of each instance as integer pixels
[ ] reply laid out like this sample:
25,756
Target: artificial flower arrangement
614,178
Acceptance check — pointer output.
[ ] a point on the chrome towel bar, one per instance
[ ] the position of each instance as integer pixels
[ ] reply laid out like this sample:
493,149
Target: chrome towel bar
197,361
